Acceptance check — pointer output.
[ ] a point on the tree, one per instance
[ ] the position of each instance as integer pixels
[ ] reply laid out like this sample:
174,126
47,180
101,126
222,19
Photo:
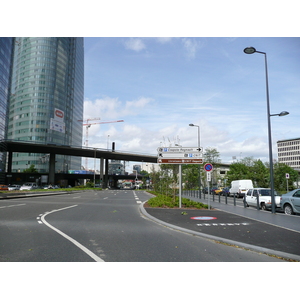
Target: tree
260,174
31,169
280,178
238,171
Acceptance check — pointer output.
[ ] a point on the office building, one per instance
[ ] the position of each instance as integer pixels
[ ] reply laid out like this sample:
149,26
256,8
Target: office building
6,52
289,152
46,98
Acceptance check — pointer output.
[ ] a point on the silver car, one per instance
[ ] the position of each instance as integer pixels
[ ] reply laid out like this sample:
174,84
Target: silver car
28,186
290,202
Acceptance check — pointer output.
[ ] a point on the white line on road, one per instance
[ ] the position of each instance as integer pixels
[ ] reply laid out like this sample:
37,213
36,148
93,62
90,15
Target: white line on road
12,205
83,248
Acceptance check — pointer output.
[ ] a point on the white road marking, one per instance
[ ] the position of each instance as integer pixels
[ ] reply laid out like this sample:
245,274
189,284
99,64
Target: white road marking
138,202
12,205
83,248
223,224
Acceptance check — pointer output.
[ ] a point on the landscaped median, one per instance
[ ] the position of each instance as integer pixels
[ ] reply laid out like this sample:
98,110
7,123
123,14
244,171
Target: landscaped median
44,192
165,201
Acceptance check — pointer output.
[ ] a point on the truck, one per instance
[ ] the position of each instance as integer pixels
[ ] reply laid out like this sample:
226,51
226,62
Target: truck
264,198
240,187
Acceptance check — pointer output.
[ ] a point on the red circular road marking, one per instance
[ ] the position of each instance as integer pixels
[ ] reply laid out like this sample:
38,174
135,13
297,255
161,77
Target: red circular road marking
203,218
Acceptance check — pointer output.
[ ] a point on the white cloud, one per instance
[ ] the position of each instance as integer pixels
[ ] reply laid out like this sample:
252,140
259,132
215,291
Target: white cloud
112,108
135,44
191,46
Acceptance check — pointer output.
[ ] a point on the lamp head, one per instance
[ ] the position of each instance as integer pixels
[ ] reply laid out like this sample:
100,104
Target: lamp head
283,113
249,50
191,124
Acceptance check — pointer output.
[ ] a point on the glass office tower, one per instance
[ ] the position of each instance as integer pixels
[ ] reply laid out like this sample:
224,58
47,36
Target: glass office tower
46,98
6,51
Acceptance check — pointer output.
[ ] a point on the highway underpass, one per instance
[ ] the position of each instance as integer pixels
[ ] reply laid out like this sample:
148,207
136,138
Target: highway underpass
11,146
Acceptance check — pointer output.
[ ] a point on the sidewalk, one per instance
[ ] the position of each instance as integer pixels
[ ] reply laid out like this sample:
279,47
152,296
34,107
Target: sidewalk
260,231
278,219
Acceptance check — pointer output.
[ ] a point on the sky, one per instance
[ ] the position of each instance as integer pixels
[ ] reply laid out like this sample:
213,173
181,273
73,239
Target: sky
165,64
158,86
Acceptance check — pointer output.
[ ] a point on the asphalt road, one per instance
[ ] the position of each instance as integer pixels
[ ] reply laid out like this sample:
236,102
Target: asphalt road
104,226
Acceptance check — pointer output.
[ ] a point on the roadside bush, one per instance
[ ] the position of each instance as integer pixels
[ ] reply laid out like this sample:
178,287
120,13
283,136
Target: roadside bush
170,202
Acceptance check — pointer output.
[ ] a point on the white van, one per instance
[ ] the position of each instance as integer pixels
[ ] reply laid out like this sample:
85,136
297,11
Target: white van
240,187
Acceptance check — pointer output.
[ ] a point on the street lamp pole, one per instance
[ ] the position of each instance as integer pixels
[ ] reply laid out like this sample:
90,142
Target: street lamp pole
199,165
251,50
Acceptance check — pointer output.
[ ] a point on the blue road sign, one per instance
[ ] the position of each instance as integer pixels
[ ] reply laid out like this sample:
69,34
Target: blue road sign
208,167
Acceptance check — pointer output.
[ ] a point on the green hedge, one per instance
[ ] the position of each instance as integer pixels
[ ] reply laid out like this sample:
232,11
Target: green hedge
166,201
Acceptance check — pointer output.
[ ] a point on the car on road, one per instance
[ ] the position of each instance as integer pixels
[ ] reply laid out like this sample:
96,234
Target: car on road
290,202
240,187
264,198
218,190
225,191
28,186
3,187
14,187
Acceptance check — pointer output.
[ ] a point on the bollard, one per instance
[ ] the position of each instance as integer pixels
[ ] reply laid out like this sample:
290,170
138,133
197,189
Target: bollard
226,198
213,196
257,198
234,202
244,199
219,198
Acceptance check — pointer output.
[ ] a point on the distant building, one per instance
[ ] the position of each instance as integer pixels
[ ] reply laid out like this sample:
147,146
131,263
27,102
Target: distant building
289,152
137,168
115,167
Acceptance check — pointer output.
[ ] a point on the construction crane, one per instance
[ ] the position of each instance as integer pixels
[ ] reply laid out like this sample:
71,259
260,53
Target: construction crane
88,125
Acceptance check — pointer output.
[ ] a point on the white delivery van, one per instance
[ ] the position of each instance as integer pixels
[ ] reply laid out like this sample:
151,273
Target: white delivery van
240,187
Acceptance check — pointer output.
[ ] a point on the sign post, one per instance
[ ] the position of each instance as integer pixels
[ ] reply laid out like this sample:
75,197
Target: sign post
180,186
180,155
208,168
287,176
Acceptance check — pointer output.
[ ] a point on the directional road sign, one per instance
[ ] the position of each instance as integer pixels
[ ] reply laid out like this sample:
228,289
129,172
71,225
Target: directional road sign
179,161
179,155
179,149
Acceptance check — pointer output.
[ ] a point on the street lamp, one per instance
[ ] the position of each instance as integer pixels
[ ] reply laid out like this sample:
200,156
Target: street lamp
251,50
199,165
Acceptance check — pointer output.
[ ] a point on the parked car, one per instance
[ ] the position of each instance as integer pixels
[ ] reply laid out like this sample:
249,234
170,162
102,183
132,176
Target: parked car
14,187
28,186
225,191
218,190
290,202
264,198
240,187
3,187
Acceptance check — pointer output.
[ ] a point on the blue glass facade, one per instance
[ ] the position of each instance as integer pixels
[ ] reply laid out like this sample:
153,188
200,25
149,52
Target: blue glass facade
6,51
47,74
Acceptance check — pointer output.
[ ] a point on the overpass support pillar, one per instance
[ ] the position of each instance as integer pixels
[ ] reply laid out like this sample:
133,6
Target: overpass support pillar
106,173
101,172
52,168
9,161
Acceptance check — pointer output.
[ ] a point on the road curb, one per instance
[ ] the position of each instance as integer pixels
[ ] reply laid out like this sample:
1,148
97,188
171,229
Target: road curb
219,239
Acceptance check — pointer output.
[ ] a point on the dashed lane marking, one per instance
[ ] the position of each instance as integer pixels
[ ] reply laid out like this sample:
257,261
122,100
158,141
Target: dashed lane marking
222,224
12,205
